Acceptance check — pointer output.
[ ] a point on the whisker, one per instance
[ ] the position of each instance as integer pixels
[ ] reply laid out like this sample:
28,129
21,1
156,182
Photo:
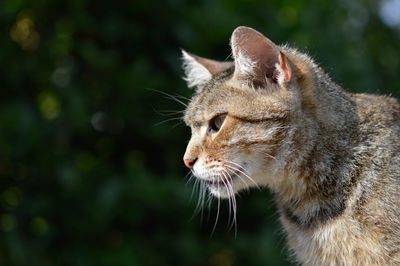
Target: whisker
167,112
170,112
167,120
177,124
232,170
202,196
232,197
229,56
182,97
194,189
241,170
198,188
210,199
223,179
237,167
171,97
189,176
218,208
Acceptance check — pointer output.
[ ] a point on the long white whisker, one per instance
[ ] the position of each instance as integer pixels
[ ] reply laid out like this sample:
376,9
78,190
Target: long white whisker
189,177
209,203
177,124
203,195
199,188
238,165
242,172
195,187
167,120
219,206
233,170
239,168
227,184
181,97
171,97
232,197
234,201
170,112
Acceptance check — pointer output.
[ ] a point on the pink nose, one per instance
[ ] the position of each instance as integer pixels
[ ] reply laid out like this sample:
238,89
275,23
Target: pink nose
189,162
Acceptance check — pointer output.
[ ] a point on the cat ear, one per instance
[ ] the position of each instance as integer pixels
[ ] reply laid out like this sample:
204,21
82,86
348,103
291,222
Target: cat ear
258,60
199,70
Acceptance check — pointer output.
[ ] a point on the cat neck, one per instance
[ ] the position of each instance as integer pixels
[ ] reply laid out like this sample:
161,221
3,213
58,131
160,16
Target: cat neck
320,172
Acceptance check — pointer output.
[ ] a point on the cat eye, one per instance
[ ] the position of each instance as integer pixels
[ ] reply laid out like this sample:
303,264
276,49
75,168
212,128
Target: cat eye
216,123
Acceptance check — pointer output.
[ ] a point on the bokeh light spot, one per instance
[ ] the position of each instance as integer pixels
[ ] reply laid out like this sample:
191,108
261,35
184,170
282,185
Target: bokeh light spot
23,31
49,105
61,77
11,197
8,222
390,12
98,121
39,226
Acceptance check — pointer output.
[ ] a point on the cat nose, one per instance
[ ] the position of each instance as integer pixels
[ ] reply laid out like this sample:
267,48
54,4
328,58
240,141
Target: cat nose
189,162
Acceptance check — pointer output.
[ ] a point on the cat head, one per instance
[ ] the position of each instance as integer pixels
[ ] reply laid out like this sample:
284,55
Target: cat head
245,114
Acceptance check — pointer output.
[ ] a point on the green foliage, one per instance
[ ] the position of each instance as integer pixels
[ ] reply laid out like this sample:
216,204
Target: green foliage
88,177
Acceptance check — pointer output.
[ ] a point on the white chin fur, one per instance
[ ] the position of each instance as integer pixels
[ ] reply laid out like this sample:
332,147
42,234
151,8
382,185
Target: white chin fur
221,192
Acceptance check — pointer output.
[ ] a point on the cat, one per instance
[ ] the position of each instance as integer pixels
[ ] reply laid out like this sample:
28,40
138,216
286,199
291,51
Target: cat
273,118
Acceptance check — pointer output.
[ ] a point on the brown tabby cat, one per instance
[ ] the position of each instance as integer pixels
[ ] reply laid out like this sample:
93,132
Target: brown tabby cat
332,158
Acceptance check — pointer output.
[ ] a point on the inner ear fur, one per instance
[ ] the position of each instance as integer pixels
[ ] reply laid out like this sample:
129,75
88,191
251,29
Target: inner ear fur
258,59
199,71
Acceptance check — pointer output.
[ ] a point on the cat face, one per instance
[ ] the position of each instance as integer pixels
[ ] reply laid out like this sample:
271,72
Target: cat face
242,115
233,146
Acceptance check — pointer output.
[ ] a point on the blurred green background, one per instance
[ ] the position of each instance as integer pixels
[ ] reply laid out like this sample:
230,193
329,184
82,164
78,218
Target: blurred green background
88,174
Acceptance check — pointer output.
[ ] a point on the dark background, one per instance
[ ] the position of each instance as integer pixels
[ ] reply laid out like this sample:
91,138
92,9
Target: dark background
88,176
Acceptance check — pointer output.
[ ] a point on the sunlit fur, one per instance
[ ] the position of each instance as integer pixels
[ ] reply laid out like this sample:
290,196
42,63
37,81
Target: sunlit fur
196,75
331,158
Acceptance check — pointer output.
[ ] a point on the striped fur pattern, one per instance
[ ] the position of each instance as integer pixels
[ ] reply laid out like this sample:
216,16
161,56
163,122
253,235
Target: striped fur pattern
331,158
